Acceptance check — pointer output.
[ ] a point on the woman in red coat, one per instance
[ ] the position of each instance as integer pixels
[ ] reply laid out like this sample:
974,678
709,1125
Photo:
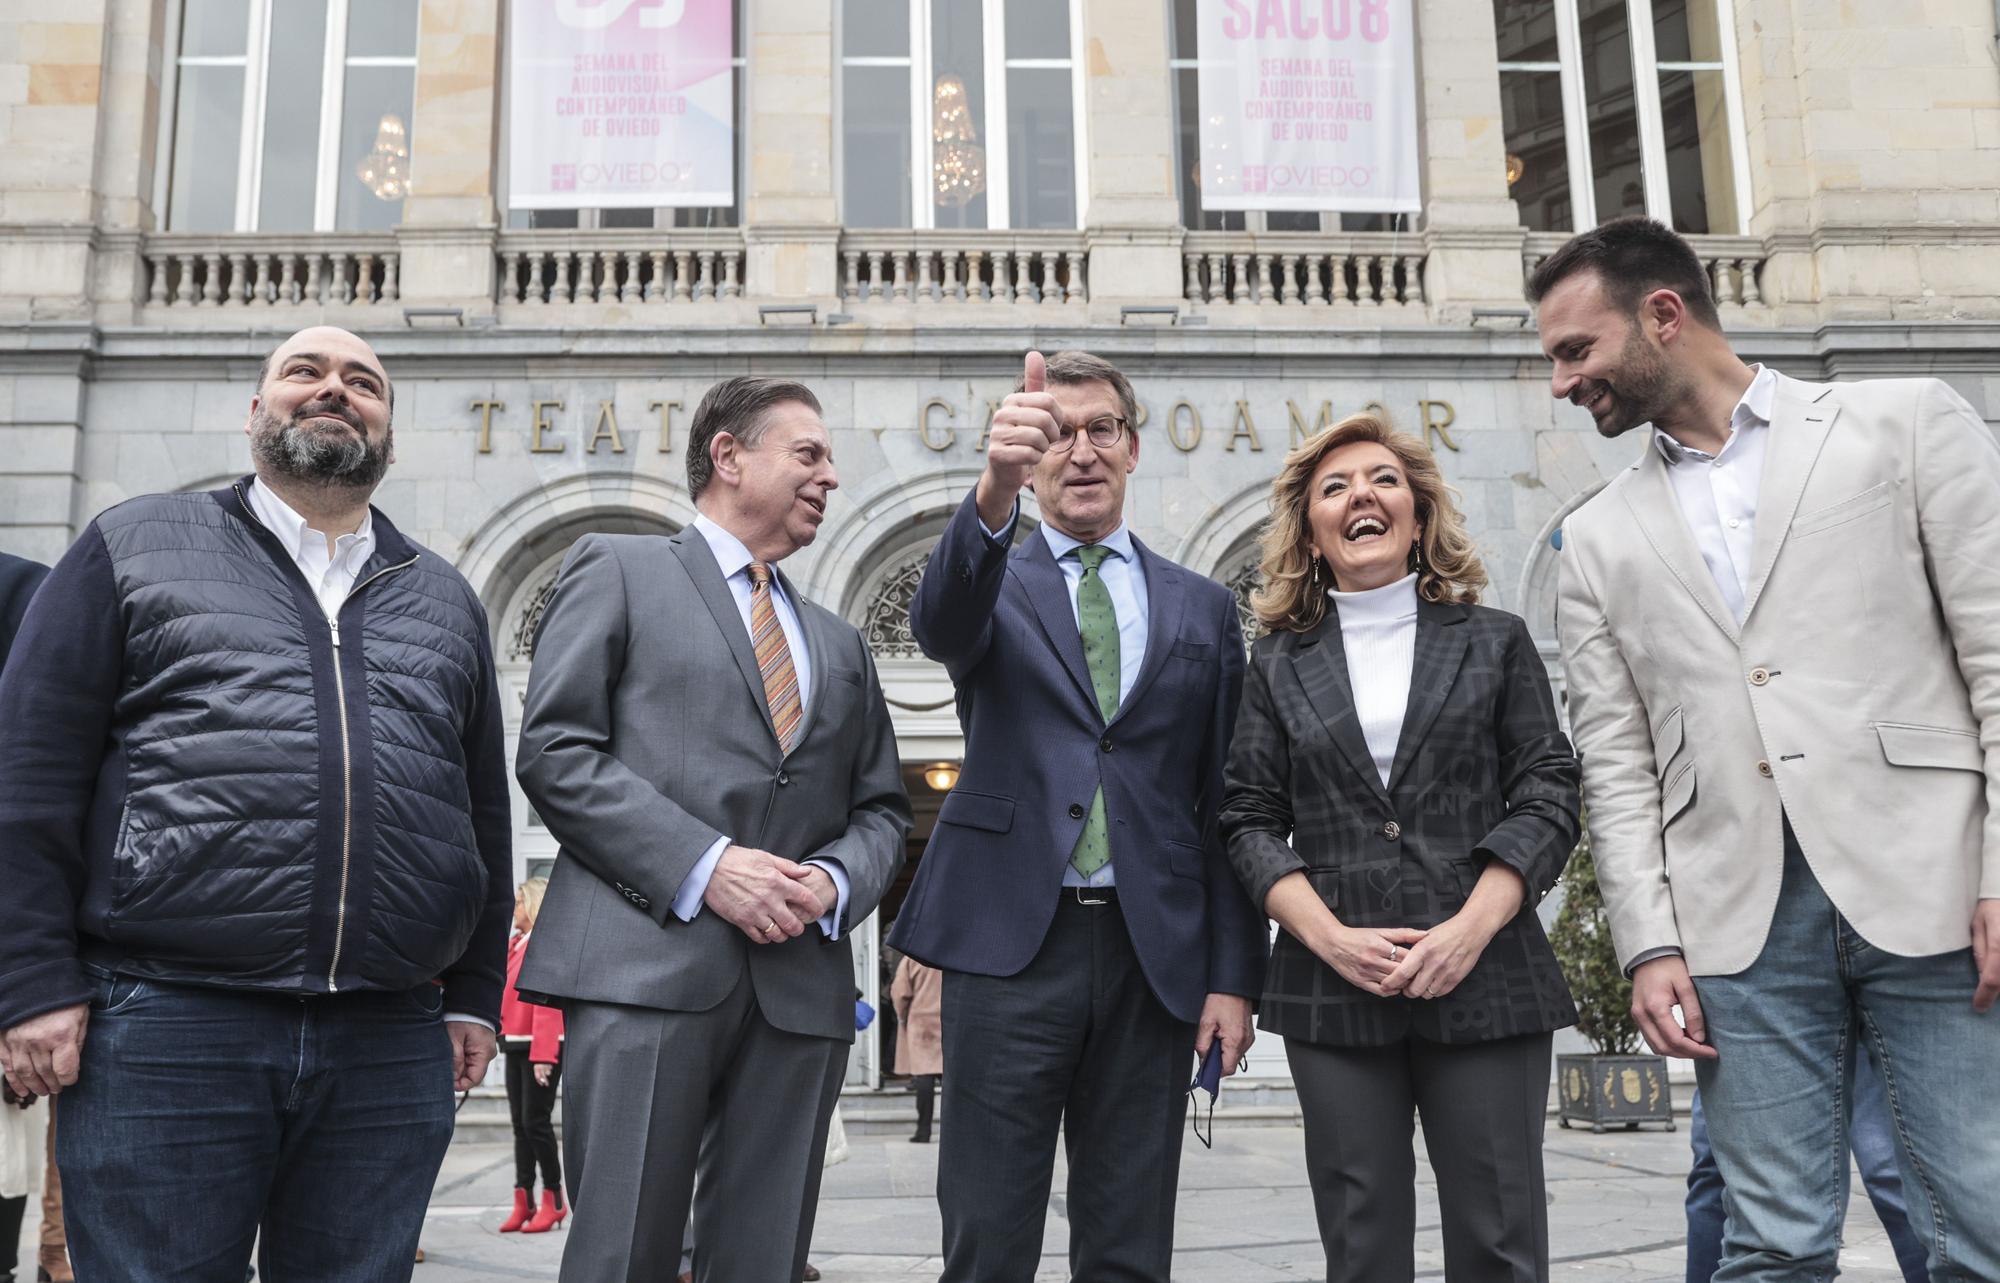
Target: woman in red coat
531,1036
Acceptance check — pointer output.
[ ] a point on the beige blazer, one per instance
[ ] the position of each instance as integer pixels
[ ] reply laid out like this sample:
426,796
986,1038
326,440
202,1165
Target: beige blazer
1860,697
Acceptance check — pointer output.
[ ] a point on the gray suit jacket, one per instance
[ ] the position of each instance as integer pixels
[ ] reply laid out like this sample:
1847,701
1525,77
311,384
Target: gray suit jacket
646,736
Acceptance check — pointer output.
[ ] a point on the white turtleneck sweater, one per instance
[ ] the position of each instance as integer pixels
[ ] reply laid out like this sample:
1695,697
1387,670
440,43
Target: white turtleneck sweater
1378,630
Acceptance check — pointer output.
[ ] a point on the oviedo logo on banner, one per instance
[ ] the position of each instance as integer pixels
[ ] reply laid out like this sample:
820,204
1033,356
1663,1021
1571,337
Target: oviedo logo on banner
620,104
1307,105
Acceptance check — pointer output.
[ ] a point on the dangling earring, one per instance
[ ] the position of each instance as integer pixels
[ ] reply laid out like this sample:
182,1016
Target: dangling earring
1315,557
1416,557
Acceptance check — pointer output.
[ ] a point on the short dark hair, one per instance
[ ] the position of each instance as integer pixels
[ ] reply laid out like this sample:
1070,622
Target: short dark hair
1071,368
264,374
739,407
1633,257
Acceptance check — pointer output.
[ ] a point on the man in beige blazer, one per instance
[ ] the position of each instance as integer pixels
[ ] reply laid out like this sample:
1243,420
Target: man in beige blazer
1781,627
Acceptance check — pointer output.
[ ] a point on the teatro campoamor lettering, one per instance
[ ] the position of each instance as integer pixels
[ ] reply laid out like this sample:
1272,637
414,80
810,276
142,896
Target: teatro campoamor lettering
550,420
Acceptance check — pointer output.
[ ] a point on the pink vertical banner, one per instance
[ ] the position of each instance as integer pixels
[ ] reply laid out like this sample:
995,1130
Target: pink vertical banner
619,104
1308,105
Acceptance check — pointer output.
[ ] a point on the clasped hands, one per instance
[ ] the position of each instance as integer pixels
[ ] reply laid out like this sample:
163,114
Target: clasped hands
1408,962
767,897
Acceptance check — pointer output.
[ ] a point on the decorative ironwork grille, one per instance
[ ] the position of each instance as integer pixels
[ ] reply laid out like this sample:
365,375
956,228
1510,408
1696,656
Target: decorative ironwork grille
1243,582
886,626
521,649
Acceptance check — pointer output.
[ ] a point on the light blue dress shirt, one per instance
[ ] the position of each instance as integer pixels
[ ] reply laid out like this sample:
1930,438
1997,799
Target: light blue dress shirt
1125,579
734,560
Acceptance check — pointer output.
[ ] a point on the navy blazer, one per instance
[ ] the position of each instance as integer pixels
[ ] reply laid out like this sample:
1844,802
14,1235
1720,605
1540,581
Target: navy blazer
1036,750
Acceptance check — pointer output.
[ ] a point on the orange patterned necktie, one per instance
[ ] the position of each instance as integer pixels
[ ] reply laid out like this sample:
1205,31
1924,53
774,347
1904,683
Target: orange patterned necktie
774,659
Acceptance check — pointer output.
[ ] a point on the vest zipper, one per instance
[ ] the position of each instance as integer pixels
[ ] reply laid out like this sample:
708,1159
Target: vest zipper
346,778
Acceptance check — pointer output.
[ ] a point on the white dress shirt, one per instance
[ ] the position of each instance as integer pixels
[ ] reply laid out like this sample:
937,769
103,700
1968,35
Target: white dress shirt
1378,632
331,575
734,560
1718,492
1125,579
1718,496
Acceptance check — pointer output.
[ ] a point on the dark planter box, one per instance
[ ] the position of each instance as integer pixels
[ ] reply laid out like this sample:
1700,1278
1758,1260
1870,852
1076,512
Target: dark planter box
1613,1091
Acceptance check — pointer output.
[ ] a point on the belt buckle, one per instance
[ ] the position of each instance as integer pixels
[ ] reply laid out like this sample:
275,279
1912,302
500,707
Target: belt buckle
1089,896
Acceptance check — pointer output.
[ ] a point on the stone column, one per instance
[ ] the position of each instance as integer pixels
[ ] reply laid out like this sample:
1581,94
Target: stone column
51,79
450,218
1133,219
1472,229
41,437
791,215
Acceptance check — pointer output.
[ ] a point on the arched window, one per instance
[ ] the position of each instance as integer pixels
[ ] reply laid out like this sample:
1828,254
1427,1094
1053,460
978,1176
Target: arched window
885,621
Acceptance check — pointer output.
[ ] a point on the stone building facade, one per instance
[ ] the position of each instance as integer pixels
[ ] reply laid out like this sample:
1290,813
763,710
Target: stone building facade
178,191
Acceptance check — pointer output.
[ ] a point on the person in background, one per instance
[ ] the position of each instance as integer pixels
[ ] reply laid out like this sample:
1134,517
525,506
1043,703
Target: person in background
255,838
19,578
1399,798
531,1039
917,993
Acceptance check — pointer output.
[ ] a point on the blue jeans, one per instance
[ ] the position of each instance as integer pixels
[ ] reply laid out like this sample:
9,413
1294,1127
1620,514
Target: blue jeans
204,1116
1871,1134
1777,1097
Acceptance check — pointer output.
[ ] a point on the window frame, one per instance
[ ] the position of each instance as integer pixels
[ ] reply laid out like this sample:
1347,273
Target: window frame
1646,69
255,60
994,66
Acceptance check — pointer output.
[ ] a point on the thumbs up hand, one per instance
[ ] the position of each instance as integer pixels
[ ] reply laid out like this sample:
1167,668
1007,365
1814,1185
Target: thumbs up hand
1024,428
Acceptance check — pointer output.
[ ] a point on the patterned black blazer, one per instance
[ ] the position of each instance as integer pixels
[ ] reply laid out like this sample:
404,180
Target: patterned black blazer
1482,772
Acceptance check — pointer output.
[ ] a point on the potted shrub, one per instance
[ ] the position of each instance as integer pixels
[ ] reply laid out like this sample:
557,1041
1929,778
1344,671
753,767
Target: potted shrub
1617,1084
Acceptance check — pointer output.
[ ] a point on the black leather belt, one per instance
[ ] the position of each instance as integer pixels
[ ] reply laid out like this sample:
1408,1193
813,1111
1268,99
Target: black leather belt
1090,897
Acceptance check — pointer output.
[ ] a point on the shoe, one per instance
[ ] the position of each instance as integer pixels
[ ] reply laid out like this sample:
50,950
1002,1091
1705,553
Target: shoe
523,1208
811,1275
549,1215
921,1138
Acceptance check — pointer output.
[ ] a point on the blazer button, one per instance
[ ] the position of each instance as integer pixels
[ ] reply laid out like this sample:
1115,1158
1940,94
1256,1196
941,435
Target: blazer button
783,779
1764,769
1105,743
1076,810
964,573
1758,676
1392,830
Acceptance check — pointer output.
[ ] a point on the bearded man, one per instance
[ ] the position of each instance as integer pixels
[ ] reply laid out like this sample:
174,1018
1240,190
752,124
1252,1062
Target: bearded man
254,832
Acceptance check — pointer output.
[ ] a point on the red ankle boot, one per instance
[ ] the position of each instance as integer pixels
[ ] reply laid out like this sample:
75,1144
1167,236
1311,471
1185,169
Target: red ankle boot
519,1216
549,1215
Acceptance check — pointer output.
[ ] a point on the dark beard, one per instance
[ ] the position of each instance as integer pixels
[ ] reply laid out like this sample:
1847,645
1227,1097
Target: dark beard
288,449
1642,387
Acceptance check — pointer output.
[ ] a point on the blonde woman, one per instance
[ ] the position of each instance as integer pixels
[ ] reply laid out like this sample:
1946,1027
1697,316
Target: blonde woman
1399,797
531,1036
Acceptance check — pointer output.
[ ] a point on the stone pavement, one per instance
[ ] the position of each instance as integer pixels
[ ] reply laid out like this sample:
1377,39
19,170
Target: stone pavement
1245,1214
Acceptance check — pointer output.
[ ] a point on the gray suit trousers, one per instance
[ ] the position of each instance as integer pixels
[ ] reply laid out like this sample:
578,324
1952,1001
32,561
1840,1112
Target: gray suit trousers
1483,1106
652,1097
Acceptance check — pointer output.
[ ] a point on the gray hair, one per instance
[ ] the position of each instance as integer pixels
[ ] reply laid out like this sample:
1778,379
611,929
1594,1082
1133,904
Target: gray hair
1071,368
738,406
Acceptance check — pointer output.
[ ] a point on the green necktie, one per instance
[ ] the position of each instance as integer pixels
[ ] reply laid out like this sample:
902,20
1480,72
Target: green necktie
1097,620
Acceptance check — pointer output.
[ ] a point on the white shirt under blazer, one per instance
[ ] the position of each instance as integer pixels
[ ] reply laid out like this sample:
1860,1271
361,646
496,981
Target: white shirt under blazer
1858,694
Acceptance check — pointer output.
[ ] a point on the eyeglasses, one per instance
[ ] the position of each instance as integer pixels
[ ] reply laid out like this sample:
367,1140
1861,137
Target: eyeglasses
1104,433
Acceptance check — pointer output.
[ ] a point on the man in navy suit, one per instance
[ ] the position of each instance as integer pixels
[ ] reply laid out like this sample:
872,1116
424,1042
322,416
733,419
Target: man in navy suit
1075,893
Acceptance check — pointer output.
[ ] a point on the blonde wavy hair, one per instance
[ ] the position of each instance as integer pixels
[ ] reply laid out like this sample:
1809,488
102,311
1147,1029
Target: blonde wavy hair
1289,597
532,892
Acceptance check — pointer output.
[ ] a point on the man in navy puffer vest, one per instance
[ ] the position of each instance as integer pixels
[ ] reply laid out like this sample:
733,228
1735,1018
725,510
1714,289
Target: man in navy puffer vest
254,840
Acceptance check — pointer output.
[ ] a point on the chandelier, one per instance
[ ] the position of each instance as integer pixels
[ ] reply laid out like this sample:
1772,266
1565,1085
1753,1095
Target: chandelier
386,170
958,162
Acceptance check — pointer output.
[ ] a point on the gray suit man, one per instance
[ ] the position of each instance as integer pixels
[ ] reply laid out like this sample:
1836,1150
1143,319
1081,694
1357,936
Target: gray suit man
713,753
